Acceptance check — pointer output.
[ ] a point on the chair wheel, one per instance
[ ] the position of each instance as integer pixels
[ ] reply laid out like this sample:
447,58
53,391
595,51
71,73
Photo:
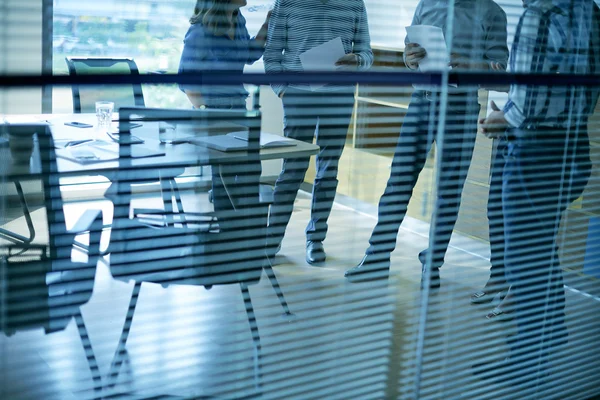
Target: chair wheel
210,196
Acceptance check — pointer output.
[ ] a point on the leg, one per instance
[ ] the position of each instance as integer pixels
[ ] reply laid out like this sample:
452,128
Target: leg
532,209
457,150
495,219
335,112
413,145
497,281
409,159
300,123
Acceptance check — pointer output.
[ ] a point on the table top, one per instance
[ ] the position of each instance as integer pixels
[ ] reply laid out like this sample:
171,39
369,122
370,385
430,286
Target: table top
176,155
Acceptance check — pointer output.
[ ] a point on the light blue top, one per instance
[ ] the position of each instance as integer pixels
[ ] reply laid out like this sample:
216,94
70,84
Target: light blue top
203,51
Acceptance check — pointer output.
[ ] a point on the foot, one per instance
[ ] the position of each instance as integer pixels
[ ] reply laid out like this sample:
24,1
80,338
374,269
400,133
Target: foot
315,253
503,311
434,283
499,314
488,293
372,266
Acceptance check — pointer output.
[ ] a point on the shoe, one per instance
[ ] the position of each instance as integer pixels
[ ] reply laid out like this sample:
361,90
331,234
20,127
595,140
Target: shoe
371,267
499,314
488,293
435,281
315,253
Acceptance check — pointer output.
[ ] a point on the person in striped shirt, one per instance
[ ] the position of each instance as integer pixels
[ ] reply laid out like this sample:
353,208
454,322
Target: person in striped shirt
324,112
547,166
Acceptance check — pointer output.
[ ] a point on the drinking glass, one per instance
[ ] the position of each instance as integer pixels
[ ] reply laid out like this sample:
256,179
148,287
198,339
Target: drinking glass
166,133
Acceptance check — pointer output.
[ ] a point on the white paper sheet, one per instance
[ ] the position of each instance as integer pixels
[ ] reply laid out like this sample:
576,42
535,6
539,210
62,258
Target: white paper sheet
322,57
431,38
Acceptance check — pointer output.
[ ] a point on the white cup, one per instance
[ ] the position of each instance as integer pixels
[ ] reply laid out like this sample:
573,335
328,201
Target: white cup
104,112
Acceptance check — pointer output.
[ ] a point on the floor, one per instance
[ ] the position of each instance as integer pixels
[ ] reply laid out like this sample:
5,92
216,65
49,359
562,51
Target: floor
345,341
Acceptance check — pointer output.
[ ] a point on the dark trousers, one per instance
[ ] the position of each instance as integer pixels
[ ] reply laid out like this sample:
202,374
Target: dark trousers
544,171
325,115
416,137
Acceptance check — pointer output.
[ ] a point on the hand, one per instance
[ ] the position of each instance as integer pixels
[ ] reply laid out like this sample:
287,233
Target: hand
495,124
458,61
461,62
413,54
348,61
497,67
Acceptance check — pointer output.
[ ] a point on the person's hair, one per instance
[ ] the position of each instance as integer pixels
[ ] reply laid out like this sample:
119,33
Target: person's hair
212,14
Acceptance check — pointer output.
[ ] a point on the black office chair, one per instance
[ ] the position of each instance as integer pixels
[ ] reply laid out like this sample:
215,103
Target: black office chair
85,97
123,95
41,286
193,254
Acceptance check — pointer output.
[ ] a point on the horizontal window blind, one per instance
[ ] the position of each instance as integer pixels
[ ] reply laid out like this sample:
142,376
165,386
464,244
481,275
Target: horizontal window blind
424,225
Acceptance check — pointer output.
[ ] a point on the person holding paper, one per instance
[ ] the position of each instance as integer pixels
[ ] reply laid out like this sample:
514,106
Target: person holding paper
477,39
314,35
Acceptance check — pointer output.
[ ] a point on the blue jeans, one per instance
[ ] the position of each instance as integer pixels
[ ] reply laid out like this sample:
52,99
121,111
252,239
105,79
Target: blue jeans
544,171
416,137
325,115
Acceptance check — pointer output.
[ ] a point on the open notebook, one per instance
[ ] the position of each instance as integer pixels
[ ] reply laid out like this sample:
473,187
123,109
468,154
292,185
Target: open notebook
238,141
267,140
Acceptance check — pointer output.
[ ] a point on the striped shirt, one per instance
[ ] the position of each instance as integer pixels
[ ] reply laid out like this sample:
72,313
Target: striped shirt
551,38
300,25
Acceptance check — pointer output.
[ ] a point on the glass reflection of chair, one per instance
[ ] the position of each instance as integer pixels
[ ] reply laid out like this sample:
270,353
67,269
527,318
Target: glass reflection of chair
194,253
122,95
41,286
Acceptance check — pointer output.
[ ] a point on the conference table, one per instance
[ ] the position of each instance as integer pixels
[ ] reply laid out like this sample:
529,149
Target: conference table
175,157
171,161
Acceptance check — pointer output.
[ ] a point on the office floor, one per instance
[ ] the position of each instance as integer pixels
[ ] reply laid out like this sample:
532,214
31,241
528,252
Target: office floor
348,341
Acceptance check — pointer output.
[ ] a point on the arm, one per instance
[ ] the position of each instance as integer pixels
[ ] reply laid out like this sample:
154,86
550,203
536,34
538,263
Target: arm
256,45
415,21
496,49
192,60
276,43
524,59
362,40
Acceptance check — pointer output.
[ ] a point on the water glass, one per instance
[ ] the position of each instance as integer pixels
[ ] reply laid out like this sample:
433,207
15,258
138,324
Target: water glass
166,133
104,112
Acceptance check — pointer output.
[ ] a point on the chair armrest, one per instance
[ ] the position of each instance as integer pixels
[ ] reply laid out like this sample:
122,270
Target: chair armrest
85,222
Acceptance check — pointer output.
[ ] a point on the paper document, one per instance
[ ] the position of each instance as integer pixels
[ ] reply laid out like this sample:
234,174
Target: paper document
431,38
322,58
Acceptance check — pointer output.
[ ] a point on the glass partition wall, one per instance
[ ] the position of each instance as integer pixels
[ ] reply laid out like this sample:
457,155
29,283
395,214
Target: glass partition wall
422,224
